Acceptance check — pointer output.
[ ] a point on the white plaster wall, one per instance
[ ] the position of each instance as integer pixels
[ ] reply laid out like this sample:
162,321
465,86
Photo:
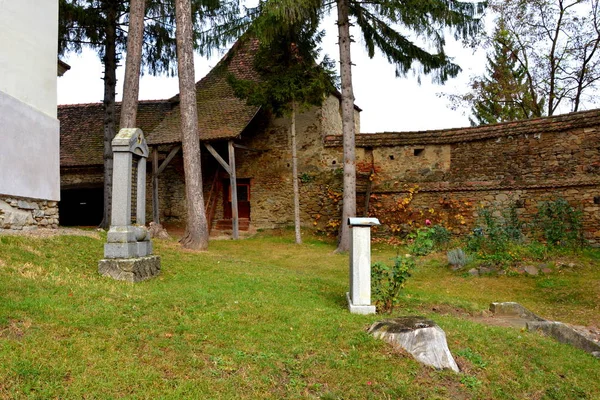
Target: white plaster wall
28,52
29,130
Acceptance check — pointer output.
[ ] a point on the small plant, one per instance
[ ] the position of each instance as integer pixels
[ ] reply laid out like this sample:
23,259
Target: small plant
473,357
388,281
496,231
306,178
425,240
560,223
513,226
471,382
458,258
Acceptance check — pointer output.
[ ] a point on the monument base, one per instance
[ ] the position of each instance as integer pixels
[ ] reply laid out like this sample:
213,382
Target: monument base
130,269
359,309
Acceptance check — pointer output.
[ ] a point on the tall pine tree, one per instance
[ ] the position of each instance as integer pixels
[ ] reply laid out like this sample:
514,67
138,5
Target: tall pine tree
503,94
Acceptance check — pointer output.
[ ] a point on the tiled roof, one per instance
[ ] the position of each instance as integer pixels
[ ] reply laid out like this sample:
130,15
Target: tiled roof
221,115
82,129
557,123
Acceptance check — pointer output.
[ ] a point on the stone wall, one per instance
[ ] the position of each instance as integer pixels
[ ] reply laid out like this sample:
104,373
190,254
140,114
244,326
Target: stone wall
403,178
17,213
453,173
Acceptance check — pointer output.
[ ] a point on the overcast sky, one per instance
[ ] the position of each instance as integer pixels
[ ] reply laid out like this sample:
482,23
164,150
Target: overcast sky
388,103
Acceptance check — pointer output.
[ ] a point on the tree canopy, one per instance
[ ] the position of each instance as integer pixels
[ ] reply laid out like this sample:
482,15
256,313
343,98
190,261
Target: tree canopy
502,94
557,45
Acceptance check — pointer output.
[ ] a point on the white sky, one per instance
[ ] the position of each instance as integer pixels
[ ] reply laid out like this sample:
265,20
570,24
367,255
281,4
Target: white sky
388,103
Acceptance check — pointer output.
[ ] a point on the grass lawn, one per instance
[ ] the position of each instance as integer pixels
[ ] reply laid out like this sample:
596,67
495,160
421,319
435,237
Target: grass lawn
264,318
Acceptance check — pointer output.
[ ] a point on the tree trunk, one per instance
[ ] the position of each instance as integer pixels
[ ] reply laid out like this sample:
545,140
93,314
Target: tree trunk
295,177
349,202
110,84
196,232
131,86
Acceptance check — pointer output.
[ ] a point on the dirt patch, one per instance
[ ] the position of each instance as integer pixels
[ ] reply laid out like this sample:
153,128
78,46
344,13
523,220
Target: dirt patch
15,329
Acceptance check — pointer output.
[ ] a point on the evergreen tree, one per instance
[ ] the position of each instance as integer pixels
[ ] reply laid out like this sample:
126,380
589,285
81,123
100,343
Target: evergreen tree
383,25
503,94
102,26
289,79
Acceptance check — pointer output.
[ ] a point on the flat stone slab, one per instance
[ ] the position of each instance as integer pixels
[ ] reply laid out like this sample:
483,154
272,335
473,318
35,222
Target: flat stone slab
519,316
512,309
130,269
565,334
421,337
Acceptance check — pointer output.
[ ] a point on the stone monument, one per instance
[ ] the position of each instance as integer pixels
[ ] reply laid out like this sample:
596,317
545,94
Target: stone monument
128,249
359,297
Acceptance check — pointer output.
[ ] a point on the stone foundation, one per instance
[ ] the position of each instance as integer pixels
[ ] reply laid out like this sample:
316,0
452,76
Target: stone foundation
130,269
17,213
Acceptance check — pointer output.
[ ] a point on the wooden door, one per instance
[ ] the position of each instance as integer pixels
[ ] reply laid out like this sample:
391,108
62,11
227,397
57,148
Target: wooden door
243,193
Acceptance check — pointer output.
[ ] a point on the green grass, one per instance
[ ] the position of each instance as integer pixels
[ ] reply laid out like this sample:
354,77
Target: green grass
264,318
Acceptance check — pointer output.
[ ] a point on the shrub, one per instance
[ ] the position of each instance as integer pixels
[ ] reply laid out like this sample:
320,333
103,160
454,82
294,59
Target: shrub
559,223
425,240
388,281
458,258
497,230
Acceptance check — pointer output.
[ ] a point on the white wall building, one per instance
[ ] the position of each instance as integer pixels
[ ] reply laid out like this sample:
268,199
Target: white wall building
29,129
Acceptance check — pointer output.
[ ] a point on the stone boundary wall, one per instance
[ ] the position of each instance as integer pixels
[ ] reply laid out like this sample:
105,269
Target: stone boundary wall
18,213
455,172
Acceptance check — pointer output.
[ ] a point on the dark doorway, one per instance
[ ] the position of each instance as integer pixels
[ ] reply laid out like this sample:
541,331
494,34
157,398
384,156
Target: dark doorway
81,206
243,195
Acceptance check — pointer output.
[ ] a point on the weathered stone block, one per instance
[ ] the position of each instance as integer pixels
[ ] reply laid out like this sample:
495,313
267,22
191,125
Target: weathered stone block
565,334
26,205
421,337
130,269
14,217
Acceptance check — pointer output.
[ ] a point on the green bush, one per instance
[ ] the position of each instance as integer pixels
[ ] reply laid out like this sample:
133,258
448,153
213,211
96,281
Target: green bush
388,281
425,240
560,223
496,231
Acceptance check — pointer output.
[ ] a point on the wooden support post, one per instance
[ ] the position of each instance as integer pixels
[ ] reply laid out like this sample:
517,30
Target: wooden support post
233,185
155,208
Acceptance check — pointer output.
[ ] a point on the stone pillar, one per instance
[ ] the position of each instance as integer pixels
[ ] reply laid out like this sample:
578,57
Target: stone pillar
359,297
121,189
128,249
140,217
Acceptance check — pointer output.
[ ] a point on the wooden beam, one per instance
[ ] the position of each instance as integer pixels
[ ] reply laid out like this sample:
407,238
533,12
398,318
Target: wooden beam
241,146
167,160
216,155
233,185
155,209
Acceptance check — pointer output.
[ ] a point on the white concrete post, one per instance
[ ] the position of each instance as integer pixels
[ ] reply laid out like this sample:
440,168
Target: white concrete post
359,297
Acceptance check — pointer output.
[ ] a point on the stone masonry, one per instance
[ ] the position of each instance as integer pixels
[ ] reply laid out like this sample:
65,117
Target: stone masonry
18,213
452,172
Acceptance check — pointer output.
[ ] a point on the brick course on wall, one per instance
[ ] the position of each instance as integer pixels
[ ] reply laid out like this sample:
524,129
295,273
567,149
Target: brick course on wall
18,213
